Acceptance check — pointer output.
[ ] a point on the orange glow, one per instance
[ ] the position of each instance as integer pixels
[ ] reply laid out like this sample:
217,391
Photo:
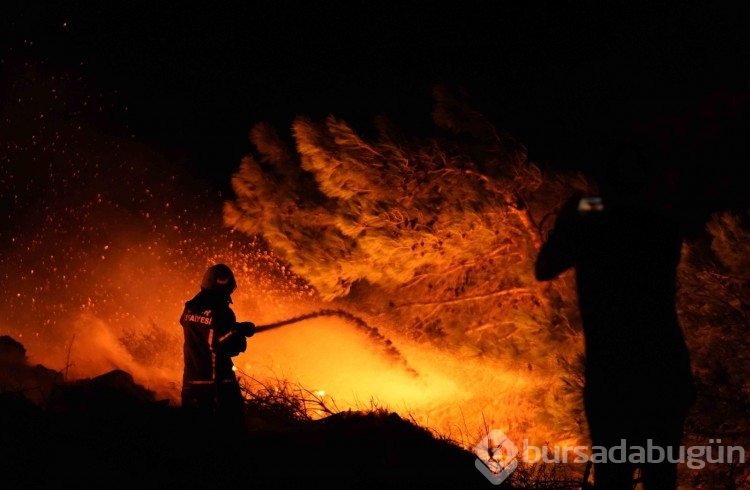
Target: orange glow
84,315
107,239
457,396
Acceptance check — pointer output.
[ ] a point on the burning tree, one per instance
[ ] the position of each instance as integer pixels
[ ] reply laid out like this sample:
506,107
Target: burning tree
426,230
439,235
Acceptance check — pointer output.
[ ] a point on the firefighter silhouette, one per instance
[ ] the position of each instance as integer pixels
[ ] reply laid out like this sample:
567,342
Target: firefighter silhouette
212,336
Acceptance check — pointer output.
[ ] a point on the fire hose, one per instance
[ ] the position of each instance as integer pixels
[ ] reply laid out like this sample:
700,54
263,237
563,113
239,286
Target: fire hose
372,332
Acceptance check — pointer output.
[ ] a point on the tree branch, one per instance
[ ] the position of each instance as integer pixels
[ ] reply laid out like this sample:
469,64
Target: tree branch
504,292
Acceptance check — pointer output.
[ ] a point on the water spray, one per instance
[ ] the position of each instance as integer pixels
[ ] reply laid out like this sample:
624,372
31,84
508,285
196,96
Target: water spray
372,332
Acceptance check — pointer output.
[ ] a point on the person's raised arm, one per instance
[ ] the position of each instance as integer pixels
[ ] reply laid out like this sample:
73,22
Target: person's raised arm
559,252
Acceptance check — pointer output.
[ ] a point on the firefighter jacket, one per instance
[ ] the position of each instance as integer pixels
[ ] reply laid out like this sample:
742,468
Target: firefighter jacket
210,327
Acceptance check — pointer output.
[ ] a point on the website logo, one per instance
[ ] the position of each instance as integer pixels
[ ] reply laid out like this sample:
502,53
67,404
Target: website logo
497,456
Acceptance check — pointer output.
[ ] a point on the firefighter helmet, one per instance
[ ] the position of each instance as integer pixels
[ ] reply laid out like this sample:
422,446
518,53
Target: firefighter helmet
220,278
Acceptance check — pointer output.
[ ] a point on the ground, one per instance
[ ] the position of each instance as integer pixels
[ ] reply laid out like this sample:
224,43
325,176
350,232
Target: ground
110,432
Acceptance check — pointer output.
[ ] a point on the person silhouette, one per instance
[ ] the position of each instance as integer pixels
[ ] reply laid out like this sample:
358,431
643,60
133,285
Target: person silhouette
212,337
638,381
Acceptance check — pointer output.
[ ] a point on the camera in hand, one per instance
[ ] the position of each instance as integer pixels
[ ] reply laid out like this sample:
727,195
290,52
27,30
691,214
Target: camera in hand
590,205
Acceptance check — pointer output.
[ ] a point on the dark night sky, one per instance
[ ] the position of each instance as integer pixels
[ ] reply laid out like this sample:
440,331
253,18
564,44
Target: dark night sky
564,77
